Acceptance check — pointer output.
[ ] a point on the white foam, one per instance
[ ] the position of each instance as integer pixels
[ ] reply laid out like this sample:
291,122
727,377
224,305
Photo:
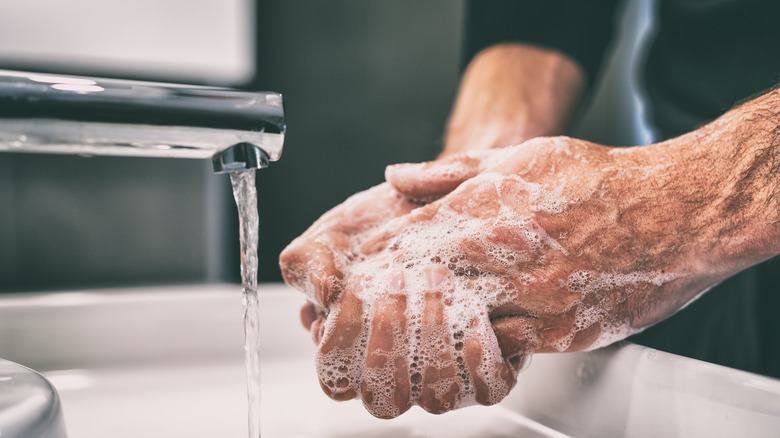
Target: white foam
589,283
462,242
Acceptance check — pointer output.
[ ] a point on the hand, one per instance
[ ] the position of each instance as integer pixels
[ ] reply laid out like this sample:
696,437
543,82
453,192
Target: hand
326,263
391,343
315,262
571,245
556,245
441,306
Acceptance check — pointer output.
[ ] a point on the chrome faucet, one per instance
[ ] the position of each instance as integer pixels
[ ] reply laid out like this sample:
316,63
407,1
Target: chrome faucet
90,116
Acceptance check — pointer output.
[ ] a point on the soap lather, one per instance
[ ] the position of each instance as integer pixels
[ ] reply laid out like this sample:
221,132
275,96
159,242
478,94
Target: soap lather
44,113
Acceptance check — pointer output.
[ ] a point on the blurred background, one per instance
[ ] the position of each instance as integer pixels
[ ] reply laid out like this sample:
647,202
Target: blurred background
366,84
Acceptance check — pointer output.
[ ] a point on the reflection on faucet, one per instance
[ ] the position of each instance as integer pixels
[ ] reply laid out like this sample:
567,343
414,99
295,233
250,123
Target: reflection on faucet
90,116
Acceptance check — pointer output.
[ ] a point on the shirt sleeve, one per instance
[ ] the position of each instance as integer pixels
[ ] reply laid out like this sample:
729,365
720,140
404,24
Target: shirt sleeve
578,28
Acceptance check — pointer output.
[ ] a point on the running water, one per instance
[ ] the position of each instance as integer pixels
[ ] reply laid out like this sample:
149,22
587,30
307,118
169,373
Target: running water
246,199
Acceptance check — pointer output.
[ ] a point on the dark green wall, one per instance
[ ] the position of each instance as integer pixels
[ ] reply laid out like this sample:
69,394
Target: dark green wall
366,83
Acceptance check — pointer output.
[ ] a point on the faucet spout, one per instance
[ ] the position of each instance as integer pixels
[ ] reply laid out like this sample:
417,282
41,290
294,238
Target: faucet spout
242,156
42,113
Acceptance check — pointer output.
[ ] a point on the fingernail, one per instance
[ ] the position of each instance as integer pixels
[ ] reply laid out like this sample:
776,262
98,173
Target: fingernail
401,171
318,330
435,275
358,284
400,167
316,278
397,280
520,362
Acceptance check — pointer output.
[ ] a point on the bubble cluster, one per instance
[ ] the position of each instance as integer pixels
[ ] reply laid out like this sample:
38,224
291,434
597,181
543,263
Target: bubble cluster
339,368
590,284
431,256
452,264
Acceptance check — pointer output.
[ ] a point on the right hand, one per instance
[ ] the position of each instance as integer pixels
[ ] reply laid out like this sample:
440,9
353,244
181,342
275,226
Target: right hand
441,305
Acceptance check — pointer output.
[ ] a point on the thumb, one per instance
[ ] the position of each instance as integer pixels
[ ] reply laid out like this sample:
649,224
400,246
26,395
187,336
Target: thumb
433,179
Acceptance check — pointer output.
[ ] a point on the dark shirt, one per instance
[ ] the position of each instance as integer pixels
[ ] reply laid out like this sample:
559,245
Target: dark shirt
707,55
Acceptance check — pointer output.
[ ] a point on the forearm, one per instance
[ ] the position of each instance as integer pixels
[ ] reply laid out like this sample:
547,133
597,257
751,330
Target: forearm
747,139
714,210
510,93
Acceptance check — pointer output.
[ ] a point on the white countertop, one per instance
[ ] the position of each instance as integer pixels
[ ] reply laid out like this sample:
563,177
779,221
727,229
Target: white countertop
168,362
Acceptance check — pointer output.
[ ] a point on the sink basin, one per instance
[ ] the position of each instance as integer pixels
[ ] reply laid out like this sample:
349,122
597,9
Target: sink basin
169,362
29,406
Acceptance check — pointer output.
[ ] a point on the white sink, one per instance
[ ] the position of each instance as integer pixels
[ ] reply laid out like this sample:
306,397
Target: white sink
168,362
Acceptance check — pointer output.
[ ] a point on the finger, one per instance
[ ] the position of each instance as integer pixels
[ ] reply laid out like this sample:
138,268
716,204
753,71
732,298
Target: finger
558,331
309,314
519,363
340,356
440,385
310,266
585,338
433,179
318,330
309,262
492,376
520,330
365,210
390,235
517,335
325,277
385,385
292,263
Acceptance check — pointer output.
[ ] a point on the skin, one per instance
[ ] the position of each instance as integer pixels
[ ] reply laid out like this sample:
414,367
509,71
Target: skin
433,288
511,93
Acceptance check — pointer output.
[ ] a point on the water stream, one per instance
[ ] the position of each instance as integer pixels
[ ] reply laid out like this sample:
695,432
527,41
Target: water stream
245,194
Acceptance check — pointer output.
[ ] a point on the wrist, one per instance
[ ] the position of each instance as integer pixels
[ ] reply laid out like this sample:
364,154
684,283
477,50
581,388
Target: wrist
511,93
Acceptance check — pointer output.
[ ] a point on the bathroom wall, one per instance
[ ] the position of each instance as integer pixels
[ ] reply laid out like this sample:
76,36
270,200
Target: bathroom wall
69,222
366,84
